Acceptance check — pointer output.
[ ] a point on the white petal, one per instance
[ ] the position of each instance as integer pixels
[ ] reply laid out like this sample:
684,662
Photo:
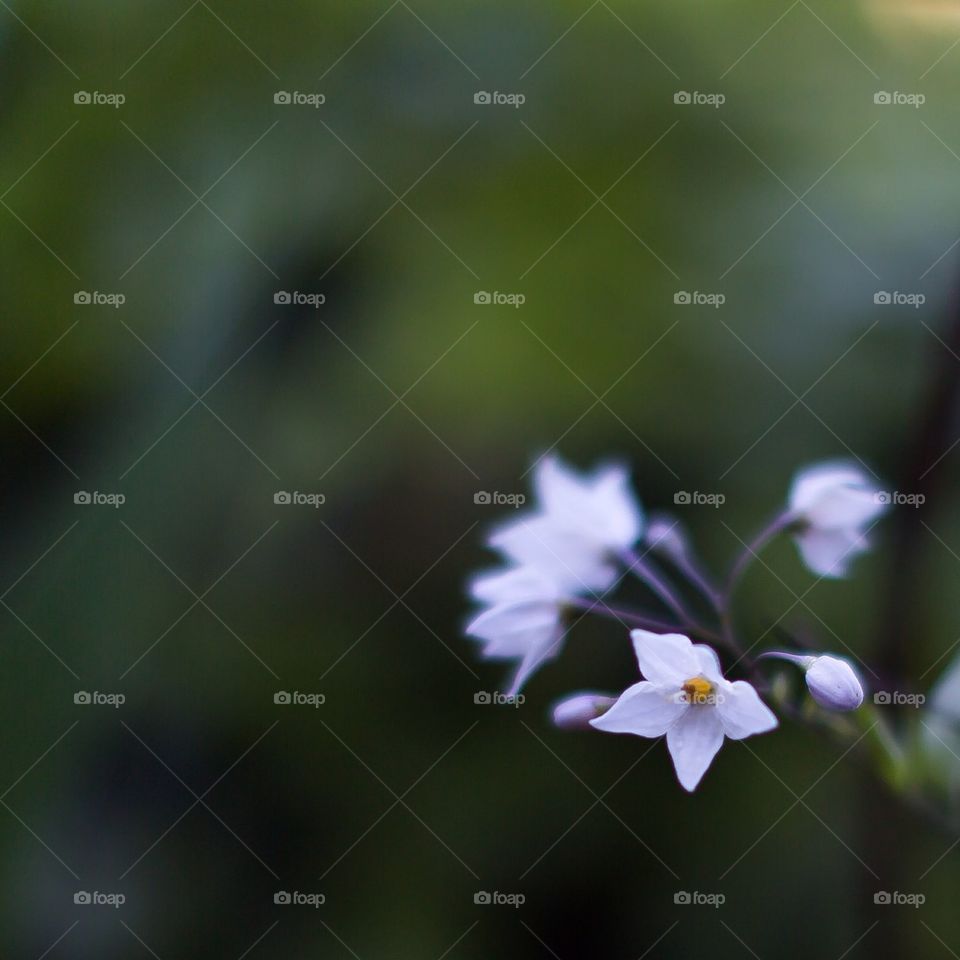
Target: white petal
616,509
693,742
602,506
512,630
850,507
536,657
742,712
665,658
557,552
709,662
514,584
560,491
811,483
646,709
829,552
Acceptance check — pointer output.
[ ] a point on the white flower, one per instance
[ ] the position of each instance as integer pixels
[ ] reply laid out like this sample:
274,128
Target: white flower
833,503
523,619
685,697
575,712
834,684
581,525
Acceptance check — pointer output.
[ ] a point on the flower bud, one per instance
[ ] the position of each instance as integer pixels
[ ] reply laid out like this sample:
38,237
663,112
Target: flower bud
576,712
664,534
834,684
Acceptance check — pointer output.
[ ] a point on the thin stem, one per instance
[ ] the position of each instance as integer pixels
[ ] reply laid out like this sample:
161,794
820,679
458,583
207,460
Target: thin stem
645,572
753,549
689,567
635,618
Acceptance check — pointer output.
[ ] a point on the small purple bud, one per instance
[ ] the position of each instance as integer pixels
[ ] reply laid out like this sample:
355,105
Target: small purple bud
576,712
834,684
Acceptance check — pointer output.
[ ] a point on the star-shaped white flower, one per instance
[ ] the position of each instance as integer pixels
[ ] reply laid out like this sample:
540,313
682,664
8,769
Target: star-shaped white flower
523,619
580,526
685,696
833,504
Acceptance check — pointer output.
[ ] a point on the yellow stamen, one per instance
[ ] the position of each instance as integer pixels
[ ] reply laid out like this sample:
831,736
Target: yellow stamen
697,690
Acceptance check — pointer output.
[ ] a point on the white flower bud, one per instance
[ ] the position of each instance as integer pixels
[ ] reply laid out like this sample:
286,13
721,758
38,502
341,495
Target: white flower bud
665,535
834,684
576,712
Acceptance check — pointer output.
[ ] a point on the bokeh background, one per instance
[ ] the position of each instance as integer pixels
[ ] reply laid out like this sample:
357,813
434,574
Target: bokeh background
198,200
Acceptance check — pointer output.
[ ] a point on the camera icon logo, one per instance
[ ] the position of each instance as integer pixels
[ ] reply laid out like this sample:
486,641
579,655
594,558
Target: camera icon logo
82,897
282,497
482,697
82,697
682,497
882,697
682,897
282,97
881,897
682,296
482,297
82,297
881,96
283,697
881,296
482,97
83,498
282,897
482,897
81,96
681,96
482,496
282,297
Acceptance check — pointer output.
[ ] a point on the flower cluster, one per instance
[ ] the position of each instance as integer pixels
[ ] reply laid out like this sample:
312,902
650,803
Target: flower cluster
586,532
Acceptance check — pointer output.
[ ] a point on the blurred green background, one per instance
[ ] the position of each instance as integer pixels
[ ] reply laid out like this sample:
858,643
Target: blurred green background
200,397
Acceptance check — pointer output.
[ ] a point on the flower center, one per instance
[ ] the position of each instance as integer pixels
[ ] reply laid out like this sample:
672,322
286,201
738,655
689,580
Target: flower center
697,690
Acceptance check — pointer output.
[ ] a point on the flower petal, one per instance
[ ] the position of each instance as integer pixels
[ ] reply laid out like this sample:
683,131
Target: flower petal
709,662
513,584
665,658
829,552
693,742
645,709
742,712
812,483
512,630
561,553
